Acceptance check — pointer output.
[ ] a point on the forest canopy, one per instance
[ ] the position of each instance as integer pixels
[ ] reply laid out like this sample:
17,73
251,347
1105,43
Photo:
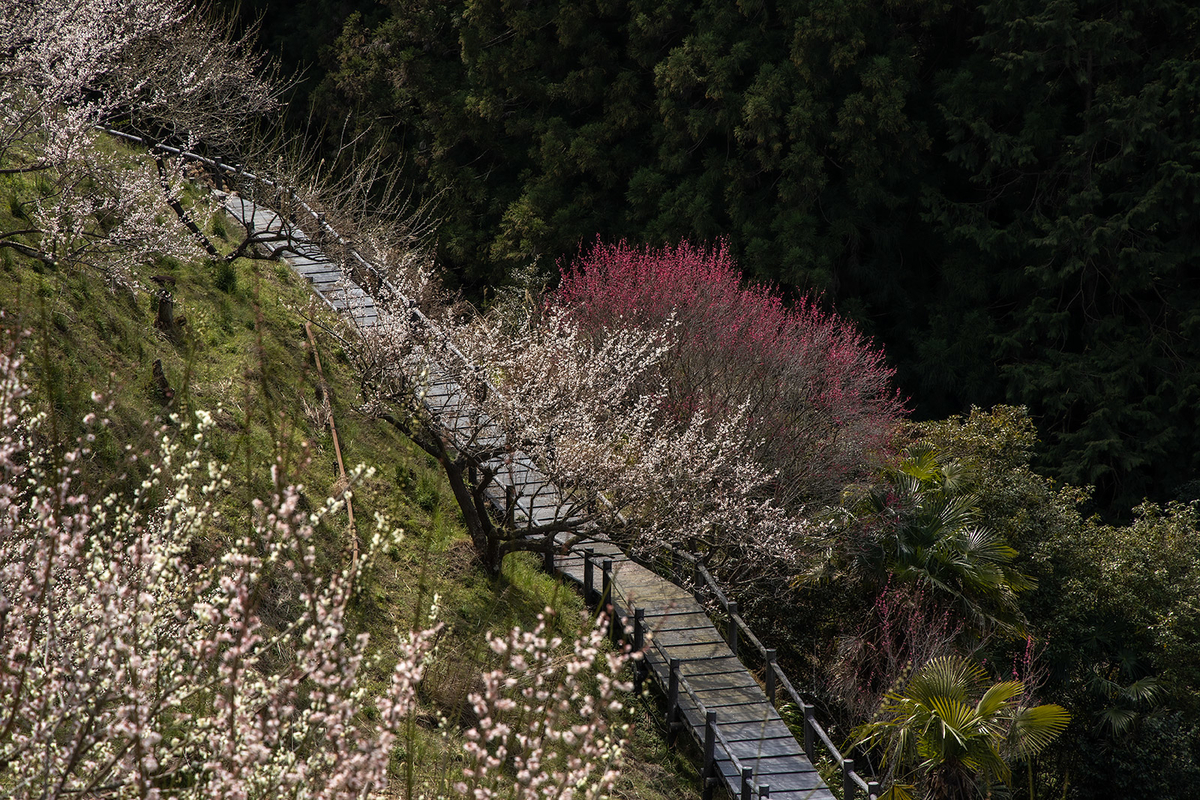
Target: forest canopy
1001,193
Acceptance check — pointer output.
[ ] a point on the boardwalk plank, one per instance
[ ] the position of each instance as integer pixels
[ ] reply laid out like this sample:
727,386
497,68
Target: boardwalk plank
779,764
682,621
690,669
757,730
721,681
780,783
697,644
726,695
760,748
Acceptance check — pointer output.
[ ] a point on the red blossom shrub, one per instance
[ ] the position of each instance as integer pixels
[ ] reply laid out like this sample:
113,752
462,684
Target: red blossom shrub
818,392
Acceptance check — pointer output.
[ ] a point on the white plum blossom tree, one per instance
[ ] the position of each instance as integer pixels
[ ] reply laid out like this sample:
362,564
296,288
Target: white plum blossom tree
159,66
128,669
541,724
579,409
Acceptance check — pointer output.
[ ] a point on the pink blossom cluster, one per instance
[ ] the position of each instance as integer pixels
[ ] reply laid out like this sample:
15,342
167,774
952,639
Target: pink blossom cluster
903,631
543,719
816,393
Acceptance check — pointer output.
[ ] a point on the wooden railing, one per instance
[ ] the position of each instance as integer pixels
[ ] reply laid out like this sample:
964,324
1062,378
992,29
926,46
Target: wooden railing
632,631
712,734
361,265
737,631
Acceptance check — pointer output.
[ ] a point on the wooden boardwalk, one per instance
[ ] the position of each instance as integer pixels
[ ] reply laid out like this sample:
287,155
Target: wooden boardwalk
678,627
305,258
752,751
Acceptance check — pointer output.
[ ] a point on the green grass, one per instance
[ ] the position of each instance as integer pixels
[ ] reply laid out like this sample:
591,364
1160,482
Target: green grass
243,356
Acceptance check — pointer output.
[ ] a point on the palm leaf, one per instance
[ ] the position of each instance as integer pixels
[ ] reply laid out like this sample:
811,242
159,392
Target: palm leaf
1143,690
984,544
1034,728
983,758
997,697
898,791
1117,720
955,722
957,513
950,676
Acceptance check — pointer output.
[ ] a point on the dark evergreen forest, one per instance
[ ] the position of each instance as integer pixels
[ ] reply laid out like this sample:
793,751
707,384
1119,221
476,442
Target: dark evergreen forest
1004,194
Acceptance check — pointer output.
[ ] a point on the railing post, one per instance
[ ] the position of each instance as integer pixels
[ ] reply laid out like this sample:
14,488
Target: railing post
672,700
873,790
639,645
710,753
764,790
589,588
613,623
549,558
731,631
747,785
771,676
810,734
848,787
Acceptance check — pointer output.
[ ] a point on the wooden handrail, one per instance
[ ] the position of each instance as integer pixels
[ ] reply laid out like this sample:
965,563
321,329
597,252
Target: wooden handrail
711,723
676,680
811,728
416,314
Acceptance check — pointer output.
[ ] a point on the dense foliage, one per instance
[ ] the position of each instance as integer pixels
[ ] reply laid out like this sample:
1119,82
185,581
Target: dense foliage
1112,616
1000,192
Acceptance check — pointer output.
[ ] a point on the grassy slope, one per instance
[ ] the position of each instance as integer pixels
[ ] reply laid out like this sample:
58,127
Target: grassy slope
243,355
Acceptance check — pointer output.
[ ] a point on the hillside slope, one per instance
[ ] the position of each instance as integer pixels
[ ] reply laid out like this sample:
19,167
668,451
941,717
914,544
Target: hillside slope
238,348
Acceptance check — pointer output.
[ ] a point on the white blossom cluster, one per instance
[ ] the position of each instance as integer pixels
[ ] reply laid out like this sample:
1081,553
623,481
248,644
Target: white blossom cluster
129,669
542,720
126,670
66,67
580,408
679,482
157,61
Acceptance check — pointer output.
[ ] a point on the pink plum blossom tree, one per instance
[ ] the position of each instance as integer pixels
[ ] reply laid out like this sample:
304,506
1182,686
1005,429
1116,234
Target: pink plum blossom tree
814,393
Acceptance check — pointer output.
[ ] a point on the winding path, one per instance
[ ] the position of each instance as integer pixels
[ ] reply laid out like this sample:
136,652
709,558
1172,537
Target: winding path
746,745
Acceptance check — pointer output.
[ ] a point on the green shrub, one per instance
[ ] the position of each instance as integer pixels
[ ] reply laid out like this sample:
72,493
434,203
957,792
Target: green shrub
226,277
